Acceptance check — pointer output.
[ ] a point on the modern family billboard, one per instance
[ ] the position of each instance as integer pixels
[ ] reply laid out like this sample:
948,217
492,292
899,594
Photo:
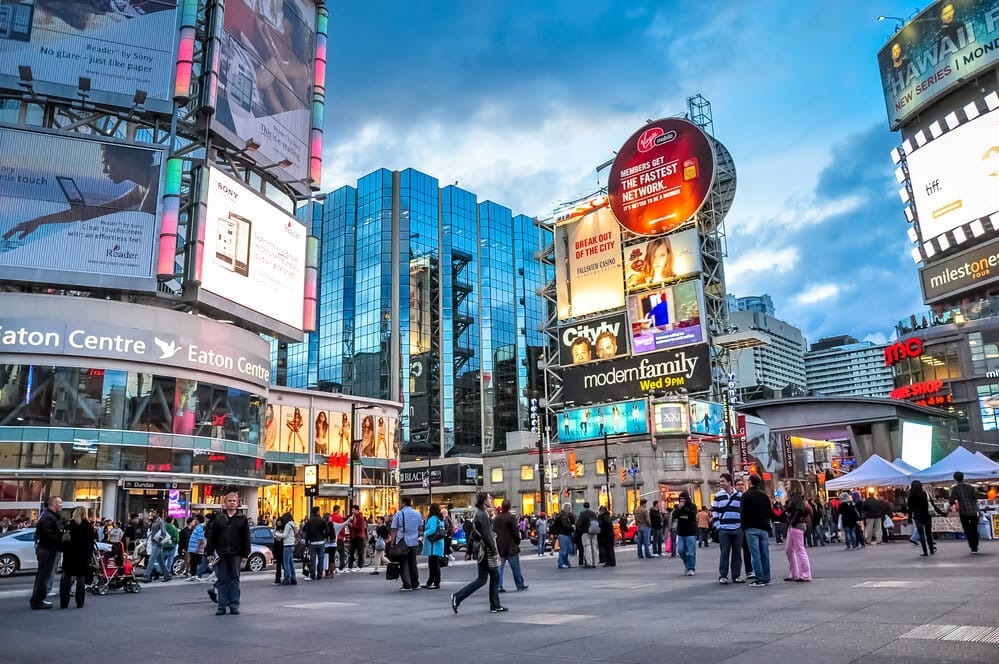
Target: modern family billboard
637,376
254,252
593,339
119,46
266,69
666,317
78,211
613,419
662,259
948,43
588,271
661,176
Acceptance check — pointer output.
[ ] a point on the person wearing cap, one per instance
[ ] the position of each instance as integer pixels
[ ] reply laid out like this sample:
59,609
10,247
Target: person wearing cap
848,520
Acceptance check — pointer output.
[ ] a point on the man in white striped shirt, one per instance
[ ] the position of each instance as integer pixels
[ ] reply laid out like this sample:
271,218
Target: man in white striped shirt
725,512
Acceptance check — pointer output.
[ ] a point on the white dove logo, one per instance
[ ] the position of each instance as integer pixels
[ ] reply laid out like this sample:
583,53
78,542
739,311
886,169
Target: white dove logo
167,349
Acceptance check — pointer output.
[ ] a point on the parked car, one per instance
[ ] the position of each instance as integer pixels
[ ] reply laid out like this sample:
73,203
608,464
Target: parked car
458,542
17,552
629,535
260,557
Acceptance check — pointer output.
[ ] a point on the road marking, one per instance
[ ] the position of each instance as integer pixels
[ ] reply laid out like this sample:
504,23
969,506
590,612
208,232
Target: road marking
625,586
543,618
891,584
319,605
962,633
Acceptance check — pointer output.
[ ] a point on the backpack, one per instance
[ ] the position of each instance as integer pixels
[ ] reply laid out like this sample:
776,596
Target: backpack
594,527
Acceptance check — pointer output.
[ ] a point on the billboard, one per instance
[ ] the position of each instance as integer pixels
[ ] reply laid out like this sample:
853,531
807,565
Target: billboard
254,253
666,317
594,339
78,211
661,176
376,432
120,46
617,419
670,419
635,377
420,305
588,273
948,43
955,178
707,418
266,63
662,259
969,269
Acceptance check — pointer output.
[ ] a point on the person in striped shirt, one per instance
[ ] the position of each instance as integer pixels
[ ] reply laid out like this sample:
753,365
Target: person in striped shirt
725,513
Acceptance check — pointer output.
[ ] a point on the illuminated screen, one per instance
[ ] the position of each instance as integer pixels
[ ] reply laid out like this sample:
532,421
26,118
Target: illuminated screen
671,418
955,178
917,444
618,419
593,339
120,45
665,317
661,259
254,253
588,272
265,80
707,417
78,211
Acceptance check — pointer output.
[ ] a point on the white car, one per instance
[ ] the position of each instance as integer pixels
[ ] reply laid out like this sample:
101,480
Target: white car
17,552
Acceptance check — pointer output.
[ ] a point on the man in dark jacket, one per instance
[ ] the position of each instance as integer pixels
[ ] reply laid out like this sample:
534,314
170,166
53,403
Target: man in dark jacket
966,499
756,513
605,540
508,544
48,537
314,533
656,532
228,536
589,530
874,516
565,525
486,553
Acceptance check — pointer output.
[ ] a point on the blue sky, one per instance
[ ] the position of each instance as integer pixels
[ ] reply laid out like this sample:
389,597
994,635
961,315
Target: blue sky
519,101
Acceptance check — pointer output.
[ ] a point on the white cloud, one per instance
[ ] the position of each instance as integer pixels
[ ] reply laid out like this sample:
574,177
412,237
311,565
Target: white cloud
818,293
877,338
760,262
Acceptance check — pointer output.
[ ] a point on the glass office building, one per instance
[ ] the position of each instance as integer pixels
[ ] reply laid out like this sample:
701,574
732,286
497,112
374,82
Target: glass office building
428,297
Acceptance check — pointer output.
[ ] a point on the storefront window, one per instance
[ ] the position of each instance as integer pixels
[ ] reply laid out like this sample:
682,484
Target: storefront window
673,460
988,402
527,503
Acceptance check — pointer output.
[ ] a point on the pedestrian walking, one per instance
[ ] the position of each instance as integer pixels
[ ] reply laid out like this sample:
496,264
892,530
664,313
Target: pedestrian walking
314,533
757,513
157,540
798,514
542,534
644,528
725,508
286,540
703,527
358,535
433,546
565,526
849,521
48,539
918,504
685,519
656,529
76,558
406,526
964,496
381,536
486,555
507,532
229,539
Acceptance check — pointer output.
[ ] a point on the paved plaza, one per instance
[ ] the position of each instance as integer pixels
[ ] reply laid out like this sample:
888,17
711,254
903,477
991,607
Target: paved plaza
882,604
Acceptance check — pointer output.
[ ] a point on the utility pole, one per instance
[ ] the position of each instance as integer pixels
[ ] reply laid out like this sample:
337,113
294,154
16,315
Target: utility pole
606,473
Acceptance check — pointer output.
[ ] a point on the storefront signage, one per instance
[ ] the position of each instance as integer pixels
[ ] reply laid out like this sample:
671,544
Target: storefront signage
903,349
155,486
93,328
924,394
969,269
312,480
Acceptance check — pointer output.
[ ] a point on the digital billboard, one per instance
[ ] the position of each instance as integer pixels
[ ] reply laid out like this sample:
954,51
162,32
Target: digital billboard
969,269
254,253
595,339
613,419
420,303
707,417
662,259
666,317
78,211
121,46
955,178
266,65
917,444
670,419
588,272
661,176
948,43
635,377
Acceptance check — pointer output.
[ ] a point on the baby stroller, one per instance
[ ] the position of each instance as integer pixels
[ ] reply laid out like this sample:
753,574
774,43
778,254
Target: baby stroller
112,570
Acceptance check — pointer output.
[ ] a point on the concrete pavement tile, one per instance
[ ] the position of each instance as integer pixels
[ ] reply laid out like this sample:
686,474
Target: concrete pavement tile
669,651
770,654
938,652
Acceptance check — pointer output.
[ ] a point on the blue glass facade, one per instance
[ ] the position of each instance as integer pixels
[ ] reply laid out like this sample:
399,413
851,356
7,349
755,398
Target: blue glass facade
427,297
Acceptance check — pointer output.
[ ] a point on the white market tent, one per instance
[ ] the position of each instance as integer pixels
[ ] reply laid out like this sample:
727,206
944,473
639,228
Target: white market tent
975,467
904,466
873,472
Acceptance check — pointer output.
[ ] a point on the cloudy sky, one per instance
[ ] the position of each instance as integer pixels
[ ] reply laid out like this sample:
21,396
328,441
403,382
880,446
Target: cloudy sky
519,101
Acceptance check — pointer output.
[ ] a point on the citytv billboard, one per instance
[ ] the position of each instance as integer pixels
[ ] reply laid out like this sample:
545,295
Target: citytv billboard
254,253
948,43
120,45
78,211
594,339
588,270
661,259
266,71
617,419
955,177
666,317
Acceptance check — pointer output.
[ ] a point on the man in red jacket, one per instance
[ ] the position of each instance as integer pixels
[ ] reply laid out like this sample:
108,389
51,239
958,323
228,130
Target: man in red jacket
358,538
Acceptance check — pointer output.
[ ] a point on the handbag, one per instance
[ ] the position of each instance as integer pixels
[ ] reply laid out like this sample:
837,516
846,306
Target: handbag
888,523
399,548
392,571
444,560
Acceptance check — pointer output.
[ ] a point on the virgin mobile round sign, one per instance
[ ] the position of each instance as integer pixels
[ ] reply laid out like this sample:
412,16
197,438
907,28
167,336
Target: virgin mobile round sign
661,176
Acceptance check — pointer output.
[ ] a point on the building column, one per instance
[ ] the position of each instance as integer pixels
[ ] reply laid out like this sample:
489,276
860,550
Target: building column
109,499
881,440
252,502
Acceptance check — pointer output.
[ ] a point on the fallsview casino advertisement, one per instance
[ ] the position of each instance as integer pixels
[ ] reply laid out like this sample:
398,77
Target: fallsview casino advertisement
589,272
661,176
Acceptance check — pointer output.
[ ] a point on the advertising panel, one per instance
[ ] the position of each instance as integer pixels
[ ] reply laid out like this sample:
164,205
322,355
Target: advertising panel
955,178
332,436
85,218
120,46
634,377
588,272
376,433
661,176
948,43
265,73
707,418
618,419
662,259
666,317
670,419
596,339
294,432
420,302
970,269
254,253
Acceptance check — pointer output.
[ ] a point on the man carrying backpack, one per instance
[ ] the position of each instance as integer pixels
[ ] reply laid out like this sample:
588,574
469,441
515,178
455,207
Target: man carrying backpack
590,530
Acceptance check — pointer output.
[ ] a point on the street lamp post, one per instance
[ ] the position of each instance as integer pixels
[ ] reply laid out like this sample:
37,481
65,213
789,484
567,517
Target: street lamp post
430,481
606,473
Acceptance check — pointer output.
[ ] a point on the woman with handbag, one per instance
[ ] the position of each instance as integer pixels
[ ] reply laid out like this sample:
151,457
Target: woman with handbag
381,534
76,558
433,546
486,553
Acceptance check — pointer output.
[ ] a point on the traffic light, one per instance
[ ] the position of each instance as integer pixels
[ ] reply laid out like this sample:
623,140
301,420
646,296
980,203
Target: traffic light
835,464
624,474
572,462
752,468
